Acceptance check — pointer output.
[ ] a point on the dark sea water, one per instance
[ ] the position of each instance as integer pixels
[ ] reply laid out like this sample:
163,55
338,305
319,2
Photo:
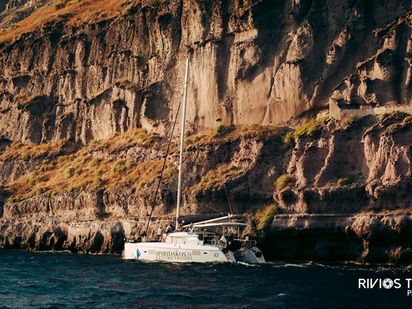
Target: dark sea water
60,280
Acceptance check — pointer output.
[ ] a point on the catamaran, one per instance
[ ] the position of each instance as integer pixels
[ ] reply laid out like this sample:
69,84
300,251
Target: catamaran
213,240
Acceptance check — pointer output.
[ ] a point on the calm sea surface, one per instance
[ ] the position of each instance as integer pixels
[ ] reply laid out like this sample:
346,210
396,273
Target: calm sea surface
60,280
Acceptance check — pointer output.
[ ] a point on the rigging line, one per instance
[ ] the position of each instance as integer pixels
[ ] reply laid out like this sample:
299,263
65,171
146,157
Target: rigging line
163,168
206,206
214,209
224,184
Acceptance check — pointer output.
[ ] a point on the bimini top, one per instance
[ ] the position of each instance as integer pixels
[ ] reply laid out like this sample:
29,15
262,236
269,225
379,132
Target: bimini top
220,224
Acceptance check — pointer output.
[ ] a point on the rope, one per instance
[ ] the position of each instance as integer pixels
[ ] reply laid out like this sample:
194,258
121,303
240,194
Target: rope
224,184
163,168
214,209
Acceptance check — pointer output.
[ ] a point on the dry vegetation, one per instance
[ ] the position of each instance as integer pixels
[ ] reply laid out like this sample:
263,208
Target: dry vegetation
127,140
346,180
308,129
65,167
62,170
265,216
230,133
284,181
311,129
218,177
33,151
74,12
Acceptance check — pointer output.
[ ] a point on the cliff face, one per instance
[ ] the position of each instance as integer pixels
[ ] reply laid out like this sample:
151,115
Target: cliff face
346,193
364,237
252,62
373,157
96,90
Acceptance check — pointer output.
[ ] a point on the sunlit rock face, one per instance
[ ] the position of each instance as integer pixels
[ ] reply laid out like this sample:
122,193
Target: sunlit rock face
252,62
260,62
363,167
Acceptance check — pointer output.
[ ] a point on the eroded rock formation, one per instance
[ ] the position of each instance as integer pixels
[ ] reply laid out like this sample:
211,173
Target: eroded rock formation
252,62
343,188
374,157
366,237
341,176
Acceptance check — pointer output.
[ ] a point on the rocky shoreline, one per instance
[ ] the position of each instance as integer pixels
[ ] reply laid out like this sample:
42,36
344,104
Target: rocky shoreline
380,238
377,238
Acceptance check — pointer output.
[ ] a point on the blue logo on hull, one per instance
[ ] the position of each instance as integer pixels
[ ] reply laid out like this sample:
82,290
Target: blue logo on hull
138,253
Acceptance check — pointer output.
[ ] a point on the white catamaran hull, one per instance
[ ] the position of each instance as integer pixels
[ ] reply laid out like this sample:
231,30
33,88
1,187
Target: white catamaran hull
253,256
169,252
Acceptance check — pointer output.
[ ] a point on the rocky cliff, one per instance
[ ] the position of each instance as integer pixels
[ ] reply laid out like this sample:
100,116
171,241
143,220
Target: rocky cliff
342,187
74,76
88,91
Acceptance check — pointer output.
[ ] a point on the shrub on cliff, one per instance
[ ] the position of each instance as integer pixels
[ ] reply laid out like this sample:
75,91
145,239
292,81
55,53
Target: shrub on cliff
216,178
311,129
34,151
284,181
122,166
231,133
70,171
223,130
98,183
289,140
41,190
265,216
148,172
95,161
345,180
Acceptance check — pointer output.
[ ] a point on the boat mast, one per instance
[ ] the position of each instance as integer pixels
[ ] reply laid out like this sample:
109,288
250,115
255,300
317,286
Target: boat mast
182,141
